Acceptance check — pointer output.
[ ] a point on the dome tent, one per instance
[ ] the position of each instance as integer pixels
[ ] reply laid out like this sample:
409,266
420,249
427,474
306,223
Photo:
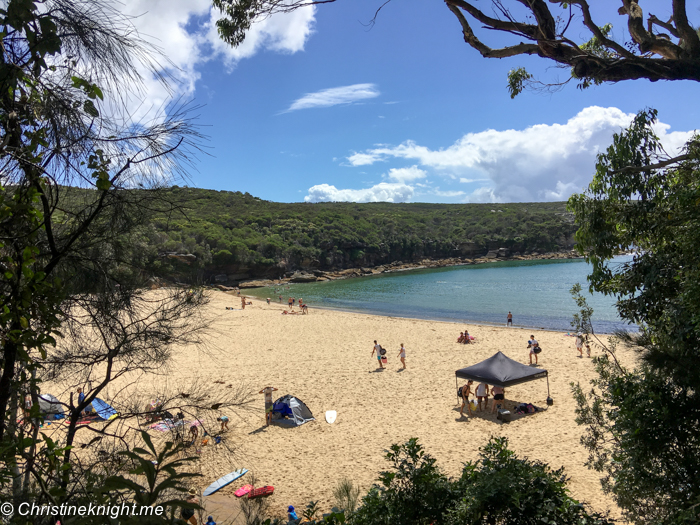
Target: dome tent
51,407
292,411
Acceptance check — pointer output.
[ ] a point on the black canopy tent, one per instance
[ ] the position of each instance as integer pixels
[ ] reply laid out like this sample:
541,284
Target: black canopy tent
501,370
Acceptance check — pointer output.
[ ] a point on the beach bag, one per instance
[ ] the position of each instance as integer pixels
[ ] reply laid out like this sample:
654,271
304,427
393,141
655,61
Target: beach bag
382,351
536,350
459,392
383,360
472,404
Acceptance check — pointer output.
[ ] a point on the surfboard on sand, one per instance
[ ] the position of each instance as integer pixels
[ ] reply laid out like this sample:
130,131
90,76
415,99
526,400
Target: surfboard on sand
331,415
223,481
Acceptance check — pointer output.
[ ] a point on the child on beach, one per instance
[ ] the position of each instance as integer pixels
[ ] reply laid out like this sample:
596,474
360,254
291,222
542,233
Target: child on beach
224,422
402,355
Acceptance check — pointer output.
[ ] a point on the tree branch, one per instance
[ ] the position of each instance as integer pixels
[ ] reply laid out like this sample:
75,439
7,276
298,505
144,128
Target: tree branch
686,32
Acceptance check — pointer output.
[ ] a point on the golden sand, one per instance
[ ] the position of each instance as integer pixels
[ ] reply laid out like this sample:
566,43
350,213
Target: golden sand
324,359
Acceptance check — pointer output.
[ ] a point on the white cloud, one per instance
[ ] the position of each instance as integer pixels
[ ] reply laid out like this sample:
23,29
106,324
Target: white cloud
541,162
335,96
406,174
382,192
185,32
468,181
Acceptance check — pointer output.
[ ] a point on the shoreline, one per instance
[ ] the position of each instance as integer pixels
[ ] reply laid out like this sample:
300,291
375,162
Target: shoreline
314,275
483,324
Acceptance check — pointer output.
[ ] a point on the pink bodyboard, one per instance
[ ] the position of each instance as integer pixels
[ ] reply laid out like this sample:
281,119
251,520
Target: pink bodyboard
245,489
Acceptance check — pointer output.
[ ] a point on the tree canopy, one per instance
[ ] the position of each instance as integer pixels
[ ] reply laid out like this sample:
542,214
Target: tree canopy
654,48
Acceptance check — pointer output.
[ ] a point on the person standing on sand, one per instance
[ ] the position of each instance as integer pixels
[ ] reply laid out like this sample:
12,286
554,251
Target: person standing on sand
510,319
268,403
588,347
290,302
377,348
499,394
482,394
224,422
280,299
579,344
532,344
402,355
466,391
242,302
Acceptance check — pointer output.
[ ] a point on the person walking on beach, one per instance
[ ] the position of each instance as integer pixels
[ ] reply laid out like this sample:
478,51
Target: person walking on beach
510,319
588,347
268,403
402,355
377,348
466,392
482,394
534,347
579,344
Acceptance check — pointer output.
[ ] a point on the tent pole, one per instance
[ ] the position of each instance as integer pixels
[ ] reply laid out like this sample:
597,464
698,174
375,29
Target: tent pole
548,386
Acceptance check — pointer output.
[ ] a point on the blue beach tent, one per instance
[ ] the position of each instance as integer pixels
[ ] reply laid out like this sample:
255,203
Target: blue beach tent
289,410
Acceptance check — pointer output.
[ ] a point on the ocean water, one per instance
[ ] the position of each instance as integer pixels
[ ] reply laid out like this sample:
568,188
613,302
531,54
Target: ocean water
536,292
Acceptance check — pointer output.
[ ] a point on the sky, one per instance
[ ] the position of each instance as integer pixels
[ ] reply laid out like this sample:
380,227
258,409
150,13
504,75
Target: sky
320,105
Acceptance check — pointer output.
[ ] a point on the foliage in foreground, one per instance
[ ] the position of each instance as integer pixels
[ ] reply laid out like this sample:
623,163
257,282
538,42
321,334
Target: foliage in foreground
498,489
643,425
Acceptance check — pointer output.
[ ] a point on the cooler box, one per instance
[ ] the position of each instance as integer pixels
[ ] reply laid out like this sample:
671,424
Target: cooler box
504,415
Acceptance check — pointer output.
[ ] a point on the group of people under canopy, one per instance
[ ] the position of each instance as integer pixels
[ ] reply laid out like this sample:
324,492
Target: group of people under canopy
499,371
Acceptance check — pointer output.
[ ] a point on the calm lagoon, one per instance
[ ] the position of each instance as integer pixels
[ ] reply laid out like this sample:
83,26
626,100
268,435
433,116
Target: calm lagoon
536,292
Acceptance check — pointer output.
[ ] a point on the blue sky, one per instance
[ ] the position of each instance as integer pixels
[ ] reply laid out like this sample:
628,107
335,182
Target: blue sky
317,106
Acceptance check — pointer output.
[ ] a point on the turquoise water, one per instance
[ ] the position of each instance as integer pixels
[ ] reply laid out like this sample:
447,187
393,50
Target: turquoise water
536,292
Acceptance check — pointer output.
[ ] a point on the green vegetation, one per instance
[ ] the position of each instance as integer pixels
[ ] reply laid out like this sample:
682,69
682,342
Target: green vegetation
238,233
643,425
498,489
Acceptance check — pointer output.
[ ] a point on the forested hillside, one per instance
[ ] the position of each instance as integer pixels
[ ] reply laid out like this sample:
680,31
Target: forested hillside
240,235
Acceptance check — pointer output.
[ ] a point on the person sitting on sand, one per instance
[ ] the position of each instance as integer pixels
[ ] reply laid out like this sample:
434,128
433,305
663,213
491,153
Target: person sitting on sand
194,432
499,394
377,348
467,339
402,355
210,521
291,514
268,300
224,422
461,337
482,394
466,392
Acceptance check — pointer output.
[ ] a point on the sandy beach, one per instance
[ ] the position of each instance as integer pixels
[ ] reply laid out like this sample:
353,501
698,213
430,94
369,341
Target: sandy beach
324,359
